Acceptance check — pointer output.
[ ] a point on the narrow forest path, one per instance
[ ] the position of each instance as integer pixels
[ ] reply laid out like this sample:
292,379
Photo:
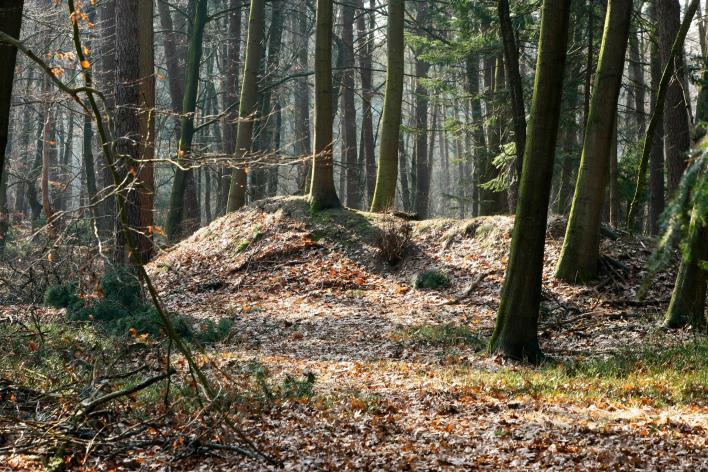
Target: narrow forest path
401,376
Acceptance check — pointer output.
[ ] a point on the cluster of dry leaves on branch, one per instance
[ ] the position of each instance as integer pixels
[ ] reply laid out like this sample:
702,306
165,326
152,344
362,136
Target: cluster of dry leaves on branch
402,379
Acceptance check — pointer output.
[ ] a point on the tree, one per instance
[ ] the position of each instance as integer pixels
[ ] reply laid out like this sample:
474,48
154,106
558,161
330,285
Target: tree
231,90
662,95
513,77
182,218
349,133
323,195
367,150
580,254
10,23
387,175
515,334
676,124
127,121
247,104
422,166
656,159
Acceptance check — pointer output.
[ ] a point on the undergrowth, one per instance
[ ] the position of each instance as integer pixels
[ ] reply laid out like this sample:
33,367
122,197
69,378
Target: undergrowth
117,308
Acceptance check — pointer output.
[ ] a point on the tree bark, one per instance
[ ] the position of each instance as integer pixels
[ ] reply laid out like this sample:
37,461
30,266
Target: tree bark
580,254
231,90
247,104
516,91
323,195
365,36
656,166
303,140
676,124
349,132
516,331
127,122
183,216
10,23
385,191
422,164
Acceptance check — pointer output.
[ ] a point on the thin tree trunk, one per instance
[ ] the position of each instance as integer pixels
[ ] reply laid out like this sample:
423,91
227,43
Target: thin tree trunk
656,166
516,92
662,97
422,164
183,216
385,191
303,141
365,34
247,104
349,135
231,90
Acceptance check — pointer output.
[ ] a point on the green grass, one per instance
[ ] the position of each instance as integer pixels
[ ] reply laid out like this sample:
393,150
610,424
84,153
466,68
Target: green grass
443,335
654,376
431,279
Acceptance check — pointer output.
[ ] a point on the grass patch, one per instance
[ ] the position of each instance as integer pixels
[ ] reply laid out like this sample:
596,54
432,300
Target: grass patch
655,376
444,335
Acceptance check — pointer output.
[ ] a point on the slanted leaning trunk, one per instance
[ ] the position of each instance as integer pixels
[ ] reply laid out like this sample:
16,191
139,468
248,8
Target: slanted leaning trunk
516,331
580,254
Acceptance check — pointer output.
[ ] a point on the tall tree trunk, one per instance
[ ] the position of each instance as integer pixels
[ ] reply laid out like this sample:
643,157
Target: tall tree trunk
183,216
385,191
516,92
247,104
422,67
349,133
106,80
323,195
268,124
146,116
231,90
483,204
10,23
365,36
516,331
676,123
662,95
127,121
580,254
614,178
656,166
303,140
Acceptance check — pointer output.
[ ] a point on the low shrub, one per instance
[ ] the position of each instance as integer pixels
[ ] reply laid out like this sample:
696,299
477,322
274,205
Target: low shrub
393,240
119,307
431,279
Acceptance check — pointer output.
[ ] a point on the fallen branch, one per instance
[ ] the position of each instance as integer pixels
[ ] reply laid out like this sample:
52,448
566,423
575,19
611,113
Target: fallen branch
87,406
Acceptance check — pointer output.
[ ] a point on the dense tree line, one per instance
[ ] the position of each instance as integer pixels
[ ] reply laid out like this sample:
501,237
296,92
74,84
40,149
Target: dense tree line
588,109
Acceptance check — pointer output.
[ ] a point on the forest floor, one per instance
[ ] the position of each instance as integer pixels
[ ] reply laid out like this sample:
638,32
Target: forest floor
340,363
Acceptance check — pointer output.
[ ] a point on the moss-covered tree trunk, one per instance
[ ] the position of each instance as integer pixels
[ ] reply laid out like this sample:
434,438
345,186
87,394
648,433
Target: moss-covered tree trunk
387,175
516,331
181,218
231,90
580,254
247,104
323,195
349,131
688,298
